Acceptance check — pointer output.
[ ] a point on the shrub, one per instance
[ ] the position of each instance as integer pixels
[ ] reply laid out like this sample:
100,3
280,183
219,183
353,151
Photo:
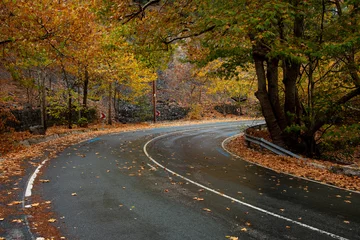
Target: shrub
82,122
195,112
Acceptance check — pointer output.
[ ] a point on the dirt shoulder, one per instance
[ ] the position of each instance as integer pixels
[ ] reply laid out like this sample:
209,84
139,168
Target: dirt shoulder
309,168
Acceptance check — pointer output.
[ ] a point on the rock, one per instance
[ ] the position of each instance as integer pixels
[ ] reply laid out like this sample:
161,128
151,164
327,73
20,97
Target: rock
25,143
37,130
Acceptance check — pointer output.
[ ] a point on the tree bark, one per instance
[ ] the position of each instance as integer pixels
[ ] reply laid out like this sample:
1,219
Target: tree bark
273,89
86,85
109,106
291,73
266,107
42,99
69,109
291,68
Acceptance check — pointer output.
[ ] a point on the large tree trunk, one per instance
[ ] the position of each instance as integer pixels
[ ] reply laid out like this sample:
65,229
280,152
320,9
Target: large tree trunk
266,107
273,89
291,73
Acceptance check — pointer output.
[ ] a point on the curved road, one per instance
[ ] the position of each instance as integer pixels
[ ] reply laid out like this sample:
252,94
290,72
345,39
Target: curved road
122,191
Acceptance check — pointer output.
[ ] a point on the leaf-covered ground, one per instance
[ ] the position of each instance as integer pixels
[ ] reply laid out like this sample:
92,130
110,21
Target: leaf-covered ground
302,168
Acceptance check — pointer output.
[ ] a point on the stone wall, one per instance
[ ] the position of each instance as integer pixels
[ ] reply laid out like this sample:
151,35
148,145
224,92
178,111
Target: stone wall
26,118
129,113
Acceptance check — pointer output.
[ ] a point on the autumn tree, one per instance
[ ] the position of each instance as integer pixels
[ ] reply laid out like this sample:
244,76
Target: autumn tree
291,43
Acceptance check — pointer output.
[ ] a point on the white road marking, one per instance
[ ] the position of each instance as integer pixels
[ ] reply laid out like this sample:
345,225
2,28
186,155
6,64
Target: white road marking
30,183
152,167
234,199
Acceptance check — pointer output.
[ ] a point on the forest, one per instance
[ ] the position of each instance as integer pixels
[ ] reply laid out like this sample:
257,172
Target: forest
296,62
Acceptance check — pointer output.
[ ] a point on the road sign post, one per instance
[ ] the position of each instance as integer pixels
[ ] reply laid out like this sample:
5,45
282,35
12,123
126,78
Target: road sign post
102,118
154,99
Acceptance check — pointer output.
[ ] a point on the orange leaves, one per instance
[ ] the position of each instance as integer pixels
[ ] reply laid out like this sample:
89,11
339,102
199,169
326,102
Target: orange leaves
232,238
294,166
17,220
198,199
14,203
52,220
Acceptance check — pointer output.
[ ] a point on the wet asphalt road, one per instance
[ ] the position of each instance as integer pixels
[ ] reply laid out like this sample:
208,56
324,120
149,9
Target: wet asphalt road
120,196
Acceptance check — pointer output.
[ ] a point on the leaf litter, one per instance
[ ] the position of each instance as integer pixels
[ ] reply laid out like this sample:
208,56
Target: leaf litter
301,168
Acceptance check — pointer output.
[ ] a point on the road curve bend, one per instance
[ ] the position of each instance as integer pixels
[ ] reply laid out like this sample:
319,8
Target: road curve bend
179,183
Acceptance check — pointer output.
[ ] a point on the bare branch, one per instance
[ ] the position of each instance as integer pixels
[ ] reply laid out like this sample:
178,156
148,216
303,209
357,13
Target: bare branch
140,11
172,39
6,41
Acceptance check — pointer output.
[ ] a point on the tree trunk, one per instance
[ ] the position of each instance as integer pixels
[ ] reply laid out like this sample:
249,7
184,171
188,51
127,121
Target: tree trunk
273,89
291,73
79,108
42,99
115,102
69,109
86,85
109,106
69,87
262,95
291,68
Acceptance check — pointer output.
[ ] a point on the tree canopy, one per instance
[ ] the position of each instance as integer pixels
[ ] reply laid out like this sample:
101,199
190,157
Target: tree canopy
305,54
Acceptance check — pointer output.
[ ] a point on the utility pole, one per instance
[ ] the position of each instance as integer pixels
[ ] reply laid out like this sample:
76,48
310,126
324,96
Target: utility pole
154,99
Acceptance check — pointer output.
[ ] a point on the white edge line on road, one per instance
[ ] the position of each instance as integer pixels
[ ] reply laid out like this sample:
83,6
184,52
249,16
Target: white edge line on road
30,183
223,144
28,193
152,167
234,199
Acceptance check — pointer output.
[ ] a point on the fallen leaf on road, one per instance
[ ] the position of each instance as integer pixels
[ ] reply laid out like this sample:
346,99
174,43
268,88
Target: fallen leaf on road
201,190
107,171
281,209
74,194
347,201
14,203
248,224
228,208
166,190
2,219
232,238
44,180
347,222
338,196
244,230
47,202
52,220
288,227
198,199
17,221
35,204
207,209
